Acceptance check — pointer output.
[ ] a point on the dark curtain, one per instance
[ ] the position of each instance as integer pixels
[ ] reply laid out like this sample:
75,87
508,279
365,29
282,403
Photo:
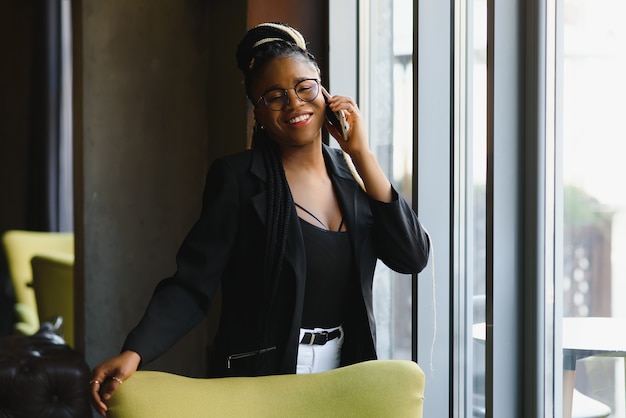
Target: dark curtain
49,194
50,188
42,207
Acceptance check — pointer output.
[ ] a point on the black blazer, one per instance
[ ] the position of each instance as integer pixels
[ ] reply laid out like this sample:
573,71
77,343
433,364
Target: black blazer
225,249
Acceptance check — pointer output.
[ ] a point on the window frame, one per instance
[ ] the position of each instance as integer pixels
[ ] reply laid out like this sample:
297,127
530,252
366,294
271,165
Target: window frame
522,164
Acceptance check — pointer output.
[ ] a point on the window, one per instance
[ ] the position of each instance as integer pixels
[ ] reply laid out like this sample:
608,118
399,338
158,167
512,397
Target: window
572,208
593,62
384,51
372,54
503,204
490,104
476,131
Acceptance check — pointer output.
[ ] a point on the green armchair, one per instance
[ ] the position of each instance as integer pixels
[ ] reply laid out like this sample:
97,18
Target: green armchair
378,388
20,247
53,283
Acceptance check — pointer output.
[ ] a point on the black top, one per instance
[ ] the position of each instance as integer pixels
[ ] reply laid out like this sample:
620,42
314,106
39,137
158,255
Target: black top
328,272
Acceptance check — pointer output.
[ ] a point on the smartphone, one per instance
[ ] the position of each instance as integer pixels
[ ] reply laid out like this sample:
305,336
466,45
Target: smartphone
337,119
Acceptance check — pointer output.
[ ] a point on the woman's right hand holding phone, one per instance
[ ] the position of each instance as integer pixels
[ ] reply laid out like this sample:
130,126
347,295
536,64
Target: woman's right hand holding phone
356,146
355,137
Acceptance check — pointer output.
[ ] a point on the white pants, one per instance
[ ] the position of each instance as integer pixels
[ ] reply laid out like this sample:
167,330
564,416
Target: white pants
319,358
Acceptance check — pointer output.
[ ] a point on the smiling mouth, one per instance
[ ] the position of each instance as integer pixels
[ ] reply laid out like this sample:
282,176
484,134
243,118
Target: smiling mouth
300,118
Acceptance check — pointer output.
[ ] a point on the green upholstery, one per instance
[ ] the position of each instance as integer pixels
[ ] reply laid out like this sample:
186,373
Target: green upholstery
27,322
376,389
53,282
20,246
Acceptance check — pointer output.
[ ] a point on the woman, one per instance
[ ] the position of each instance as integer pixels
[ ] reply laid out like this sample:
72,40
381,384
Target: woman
286,230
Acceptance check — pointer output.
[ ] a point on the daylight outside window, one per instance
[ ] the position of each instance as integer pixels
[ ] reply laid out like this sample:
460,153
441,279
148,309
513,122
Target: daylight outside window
387,48
594,198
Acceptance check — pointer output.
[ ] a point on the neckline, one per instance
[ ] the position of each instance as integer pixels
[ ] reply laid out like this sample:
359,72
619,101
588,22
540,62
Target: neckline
317,228
326,228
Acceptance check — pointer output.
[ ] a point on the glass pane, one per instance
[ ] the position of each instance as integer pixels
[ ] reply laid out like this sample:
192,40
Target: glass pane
387,88
477,229
471,117
594,203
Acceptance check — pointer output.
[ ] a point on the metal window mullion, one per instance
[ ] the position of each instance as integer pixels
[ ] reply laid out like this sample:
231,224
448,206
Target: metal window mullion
462,251
539,197
433,194
504,210
542,382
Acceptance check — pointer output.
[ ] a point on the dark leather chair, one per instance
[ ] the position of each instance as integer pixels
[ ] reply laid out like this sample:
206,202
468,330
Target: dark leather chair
42,377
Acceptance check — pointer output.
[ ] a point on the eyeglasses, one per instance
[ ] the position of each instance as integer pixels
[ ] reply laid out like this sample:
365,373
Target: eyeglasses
277,99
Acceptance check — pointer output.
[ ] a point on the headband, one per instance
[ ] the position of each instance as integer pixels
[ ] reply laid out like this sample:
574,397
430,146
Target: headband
263,34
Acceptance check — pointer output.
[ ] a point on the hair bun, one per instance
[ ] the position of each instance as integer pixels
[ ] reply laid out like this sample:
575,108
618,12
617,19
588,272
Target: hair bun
264,33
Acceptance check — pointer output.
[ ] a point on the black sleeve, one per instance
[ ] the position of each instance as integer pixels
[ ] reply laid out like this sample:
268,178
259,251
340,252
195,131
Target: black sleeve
183,300
402,243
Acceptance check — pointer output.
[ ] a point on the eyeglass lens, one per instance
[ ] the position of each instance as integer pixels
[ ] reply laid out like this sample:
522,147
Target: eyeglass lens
306,90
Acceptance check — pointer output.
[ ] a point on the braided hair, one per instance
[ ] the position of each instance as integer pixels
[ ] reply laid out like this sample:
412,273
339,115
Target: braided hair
261,45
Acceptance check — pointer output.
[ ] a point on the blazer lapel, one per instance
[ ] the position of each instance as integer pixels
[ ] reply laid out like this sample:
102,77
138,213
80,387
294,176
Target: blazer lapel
355,210
294,252
295,258
354,207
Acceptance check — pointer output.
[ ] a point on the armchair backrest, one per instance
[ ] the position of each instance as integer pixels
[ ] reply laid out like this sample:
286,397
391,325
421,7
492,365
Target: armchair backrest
20,247
53,282
378,388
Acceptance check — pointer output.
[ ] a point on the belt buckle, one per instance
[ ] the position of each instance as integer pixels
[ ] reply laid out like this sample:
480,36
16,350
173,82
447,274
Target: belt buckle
323,334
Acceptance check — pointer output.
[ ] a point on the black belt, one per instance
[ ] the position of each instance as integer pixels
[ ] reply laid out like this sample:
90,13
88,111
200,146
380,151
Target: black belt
320,338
